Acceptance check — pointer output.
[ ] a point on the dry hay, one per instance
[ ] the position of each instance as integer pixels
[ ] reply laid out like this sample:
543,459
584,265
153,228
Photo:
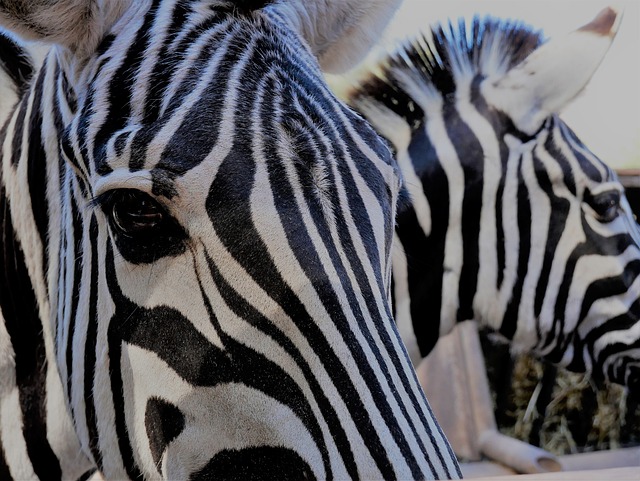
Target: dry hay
580,416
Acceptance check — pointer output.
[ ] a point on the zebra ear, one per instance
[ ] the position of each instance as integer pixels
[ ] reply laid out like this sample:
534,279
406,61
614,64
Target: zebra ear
548,79
339,32
76,24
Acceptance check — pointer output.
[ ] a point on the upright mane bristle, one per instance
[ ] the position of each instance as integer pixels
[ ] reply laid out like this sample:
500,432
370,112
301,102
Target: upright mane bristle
440,57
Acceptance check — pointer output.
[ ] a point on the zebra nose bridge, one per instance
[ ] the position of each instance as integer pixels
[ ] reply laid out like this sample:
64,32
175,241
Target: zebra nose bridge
183,430
634,228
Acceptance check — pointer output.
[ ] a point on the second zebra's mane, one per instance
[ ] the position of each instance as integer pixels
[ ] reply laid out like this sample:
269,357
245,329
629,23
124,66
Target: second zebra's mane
447,54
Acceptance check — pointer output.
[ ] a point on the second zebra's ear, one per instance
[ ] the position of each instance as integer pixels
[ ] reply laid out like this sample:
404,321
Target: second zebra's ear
339,32
550,77
75,24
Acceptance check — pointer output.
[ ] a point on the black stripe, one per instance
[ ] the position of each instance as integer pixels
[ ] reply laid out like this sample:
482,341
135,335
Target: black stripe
18,134
559,213
78,254
609,287
86,476
574,144
123,327
499,206
622,322
90,348
391,95
551,144
425,254
66,92
37,170
84,163
510,320
19,308
471,157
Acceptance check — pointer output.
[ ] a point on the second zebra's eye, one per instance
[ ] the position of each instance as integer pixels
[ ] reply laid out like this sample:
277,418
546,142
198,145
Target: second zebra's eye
134,212
606,205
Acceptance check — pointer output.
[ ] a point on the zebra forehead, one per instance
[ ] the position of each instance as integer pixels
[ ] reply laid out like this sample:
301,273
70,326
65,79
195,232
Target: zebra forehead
189,88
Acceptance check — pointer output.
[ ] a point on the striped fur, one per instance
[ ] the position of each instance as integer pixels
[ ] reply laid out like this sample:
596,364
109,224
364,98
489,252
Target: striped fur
511,222
196,242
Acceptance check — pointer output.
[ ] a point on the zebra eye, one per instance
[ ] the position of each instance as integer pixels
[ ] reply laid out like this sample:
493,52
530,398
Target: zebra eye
606,205
133,212
144,231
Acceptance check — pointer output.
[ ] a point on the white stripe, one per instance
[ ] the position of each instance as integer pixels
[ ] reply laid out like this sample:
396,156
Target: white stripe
157,146
453,254
155,37
189,57
15,450
403,302
485,296
540,208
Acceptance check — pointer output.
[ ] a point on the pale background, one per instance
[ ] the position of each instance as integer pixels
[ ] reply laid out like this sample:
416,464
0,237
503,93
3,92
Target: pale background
607,114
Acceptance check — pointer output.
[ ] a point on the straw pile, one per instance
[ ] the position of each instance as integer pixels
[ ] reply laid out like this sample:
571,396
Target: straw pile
560,411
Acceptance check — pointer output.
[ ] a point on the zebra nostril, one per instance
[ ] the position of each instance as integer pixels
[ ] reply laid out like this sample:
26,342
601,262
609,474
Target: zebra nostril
164,422
257,463
633,383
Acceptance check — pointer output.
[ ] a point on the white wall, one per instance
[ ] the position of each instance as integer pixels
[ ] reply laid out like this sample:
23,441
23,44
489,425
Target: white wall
607,115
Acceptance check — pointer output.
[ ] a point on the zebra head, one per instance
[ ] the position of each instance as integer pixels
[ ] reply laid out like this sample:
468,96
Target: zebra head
216,241
513,221
583,243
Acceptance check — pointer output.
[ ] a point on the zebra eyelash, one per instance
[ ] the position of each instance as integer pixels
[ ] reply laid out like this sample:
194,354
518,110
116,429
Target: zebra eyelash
102,201
106,199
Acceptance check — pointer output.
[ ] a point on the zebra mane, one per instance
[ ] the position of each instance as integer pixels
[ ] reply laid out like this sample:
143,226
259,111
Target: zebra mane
449,52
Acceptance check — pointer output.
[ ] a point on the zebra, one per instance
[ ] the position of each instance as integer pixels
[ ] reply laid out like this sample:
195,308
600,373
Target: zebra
510,220
196,240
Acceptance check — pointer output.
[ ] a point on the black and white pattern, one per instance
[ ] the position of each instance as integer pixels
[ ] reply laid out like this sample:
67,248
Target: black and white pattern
512,221
196,241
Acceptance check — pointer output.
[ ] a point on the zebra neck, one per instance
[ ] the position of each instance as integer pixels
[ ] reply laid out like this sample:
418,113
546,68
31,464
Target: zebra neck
453,267
38,437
